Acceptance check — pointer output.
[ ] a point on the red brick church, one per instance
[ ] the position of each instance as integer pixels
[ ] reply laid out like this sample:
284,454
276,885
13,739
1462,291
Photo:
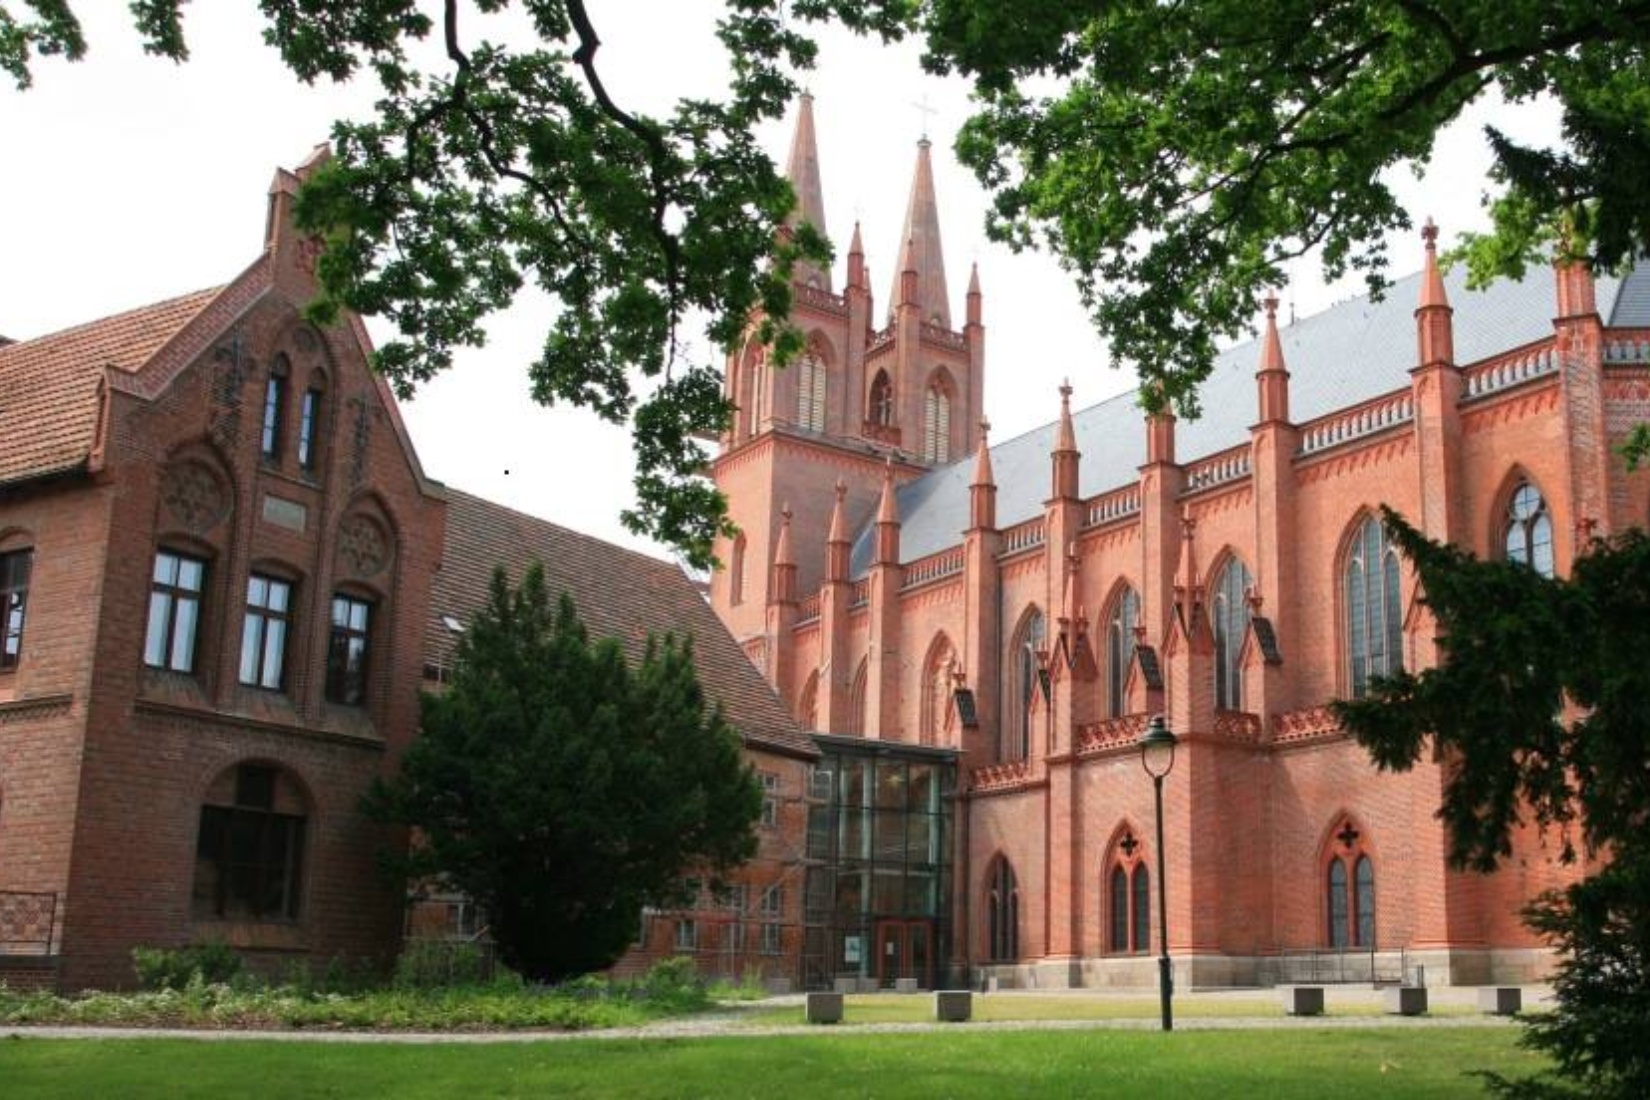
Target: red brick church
1022,608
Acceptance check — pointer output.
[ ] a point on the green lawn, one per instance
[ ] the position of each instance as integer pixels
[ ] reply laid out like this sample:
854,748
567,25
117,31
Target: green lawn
1392,1063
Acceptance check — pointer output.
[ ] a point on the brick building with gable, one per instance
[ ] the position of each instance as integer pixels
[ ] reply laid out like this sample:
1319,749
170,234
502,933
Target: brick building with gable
224,577
216,547
1026,606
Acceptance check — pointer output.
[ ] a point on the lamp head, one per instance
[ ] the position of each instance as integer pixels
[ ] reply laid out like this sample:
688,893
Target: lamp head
1157,746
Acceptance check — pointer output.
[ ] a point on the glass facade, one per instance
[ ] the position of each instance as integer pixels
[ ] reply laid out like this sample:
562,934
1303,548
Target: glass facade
880,837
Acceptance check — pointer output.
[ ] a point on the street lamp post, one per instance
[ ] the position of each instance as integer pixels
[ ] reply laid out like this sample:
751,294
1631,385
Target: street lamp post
1157,757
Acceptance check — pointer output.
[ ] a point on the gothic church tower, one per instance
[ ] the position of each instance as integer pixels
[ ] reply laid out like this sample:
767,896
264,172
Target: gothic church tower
862,400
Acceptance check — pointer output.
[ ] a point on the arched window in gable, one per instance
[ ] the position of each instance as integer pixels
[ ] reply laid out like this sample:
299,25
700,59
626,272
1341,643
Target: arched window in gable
1230,605
1528,534
1349,889
1374,617
1020,700
880,411
1002,906
936,419
1125,612
810,392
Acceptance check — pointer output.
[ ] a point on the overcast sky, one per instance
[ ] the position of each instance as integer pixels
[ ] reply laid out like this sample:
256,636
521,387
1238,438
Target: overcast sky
128,179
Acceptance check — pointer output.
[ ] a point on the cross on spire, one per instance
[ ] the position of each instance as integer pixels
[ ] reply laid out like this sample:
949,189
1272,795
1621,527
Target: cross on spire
925,111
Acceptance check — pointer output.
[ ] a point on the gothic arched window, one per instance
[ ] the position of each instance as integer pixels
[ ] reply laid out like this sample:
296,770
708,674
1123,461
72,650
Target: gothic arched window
1231,619
1529,530
1349,884
856,701
1374,619
810,393
736,571
1130,898
881,409
1002,913
1023,685
936,420
1125,612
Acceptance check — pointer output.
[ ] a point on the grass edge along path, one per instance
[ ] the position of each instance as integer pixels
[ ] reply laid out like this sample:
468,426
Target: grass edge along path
1280,1064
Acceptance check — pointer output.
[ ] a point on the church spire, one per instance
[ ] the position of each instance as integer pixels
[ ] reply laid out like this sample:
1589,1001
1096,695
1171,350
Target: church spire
784,564
803,172
922,232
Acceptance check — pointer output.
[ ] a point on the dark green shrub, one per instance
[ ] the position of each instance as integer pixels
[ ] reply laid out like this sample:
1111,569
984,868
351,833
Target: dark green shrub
172,968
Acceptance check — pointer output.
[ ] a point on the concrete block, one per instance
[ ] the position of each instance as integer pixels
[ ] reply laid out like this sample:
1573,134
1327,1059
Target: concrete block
1303,1000
905,985
1406,1000
1505,1000
848,983
953,1006
824,1008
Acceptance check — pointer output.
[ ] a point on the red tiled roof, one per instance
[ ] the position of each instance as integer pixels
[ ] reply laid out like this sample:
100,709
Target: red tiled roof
619,593
48,385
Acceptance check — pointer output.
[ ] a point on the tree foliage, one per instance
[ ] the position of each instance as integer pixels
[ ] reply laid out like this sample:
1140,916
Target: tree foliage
1540,710
562,789
1176,157
508,164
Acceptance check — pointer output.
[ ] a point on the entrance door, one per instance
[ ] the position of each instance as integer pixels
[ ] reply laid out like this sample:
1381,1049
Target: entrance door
905,949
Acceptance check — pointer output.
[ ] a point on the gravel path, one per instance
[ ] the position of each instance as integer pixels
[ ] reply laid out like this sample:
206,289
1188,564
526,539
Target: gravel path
733,1022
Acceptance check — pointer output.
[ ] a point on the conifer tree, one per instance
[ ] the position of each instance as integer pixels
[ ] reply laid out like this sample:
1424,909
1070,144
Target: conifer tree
1540,711
563,790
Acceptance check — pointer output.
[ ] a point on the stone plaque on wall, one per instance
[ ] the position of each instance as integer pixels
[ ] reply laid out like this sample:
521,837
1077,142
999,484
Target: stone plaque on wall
285,513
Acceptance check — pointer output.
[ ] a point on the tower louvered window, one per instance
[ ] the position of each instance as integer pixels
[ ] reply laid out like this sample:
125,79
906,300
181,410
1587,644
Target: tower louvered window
1374,626
936,421
810,394
881,410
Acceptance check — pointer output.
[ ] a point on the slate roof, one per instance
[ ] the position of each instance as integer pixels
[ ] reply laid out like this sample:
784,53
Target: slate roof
48,385
619,593
1350,353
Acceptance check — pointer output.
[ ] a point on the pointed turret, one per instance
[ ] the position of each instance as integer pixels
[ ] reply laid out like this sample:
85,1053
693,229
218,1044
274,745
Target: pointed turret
784,564
982,490
1186,579
922,231
888,519
836,543
1065,449
1434,331
803,172
974,296
856,262
1271,376
907,289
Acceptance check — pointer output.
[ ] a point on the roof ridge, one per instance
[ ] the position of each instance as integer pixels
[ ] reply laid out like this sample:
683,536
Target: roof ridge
206,293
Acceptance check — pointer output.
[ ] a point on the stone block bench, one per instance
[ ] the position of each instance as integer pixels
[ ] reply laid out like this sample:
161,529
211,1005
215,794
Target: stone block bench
1501,1000
824,1008
1406,1000
1303,1000
953,1006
